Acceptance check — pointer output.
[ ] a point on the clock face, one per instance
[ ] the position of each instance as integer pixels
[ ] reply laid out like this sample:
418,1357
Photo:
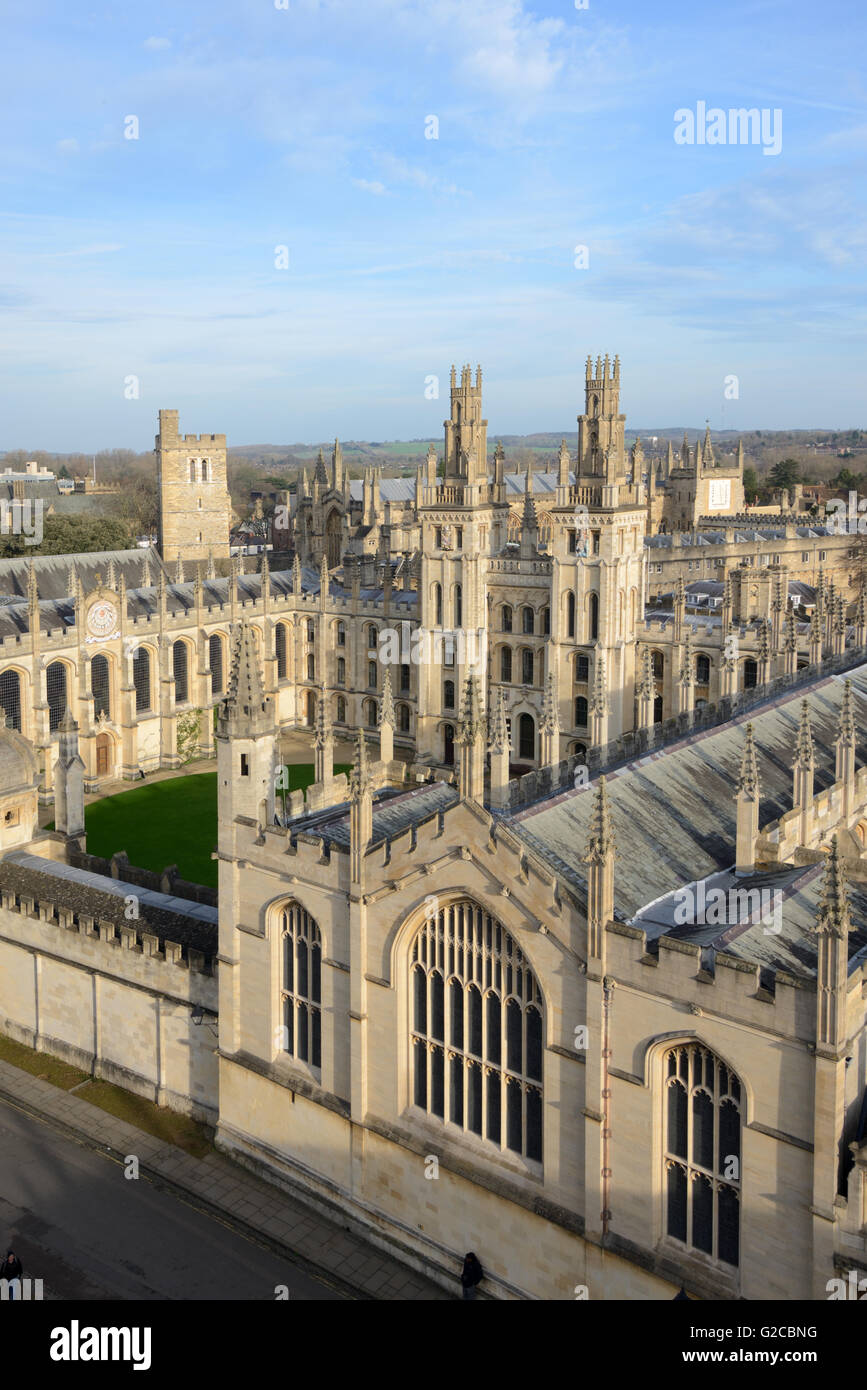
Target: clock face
102,618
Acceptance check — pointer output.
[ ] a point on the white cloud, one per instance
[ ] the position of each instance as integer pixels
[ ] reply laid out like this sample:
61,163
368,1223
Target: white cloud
369,186
154,44
68,146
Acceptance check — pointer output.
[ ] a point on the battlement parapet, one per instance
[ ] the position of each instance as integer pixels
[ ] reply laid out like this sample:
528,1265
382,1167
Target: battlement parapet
129,937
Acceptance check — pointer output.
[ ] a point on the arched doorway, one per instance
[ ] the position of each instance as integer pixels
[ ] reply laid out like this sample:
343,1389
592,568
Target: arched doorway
103,755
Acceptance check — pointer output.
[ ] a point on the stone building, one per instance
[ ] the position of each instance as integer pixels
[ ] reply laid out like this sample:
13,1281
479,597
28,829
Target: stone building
613,1039
549,588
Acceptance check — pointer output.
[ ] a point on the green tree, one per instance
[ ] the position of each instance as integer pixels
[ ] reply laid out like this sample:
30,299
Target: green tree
785,473
751,484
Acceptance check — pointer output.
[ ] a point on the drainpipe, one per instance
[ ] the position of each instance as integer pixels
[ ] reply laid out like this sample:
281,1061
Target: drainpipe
607,993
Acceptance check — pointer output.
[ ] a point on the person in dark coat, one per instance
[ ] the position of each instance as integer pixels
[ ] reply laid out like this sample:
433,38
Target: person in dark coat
12,1268
471,1275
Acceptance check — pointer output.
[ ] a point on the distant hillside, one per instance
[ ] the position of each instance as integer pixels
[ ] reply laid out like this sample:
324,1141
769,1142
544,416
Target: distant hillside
820,453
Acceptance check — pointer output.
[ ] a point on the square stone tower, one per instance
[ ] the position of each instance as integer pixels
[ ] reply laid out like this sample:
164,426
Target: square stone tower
195,509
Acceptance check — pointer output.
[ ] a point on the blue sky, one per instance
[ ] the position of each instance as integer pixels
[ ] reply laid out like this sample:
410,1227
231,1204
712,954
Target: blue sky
304,127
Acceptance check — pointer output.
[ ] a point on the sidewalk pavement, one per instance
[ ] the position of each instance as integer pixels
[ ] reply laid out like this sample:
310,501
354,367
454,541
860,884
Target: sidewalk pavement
225,1190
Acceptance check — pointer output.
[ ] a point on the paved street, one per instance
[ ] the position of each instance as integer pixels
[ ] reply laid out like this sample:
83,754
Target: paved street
91,1233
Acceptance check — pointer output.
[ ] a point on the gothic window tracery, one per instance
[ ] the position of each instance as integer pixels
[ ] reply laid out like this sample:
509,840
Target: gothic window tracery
702,1130
476,1030
301,992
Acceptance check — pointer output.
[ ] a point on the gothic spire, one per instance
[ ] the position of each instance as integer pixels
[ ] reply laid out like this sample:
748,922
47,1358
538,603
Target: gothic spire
323,732
600,839
748,781
359,777
245,712
386,708
846,728
599,696
833,914
499,729
472,720
320,475
550,717
804,755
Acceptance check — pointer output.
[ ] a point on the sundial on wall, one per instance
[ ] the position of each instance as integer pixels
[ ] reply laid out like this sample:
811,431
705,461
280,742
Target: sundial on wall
102,619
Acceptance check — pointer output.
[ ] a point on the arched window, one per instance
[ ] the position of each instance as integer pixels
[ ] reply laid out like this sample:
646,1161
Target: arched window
658,663
580,712
55,684
449,745
141,679
99,684
476,1030
438,604
215,662
528,620
204,470
702,670
459,605
371,675
341,710
593,617
404,678
506,664
579,750
280,650
751,674
341,671
341,634
546,622
506,623
310,712
371,638
180,669
527,664
527,737
10,698
570,615
311,630
311,667
657,710
449,695
582,669
370,713
302,991
702,1151
403,718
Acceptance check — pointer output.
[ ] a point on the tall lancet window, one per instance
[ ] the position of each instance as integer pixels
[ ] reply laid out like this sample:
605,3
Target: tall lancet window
702,1152
476,1030
302,991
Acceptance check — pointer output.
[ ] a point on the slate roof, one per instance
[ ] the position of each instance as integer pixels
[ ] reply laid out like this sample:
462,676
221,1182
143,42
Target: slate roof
391,814
781,935
674,813
169,918
52,571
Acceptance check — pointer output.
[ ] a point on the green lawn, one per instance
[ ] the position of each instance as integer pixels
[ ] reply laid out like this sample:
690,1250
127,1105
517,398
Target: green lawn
170,822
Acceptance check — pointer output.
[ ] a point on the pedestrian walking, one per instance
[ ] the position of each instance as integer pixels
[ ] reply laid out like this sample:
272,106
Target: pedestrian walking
471,1275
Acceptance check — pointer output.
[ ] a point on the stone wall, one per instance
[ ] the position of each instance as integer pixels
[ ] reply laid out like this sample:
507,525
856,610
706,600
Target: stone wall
111,1002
